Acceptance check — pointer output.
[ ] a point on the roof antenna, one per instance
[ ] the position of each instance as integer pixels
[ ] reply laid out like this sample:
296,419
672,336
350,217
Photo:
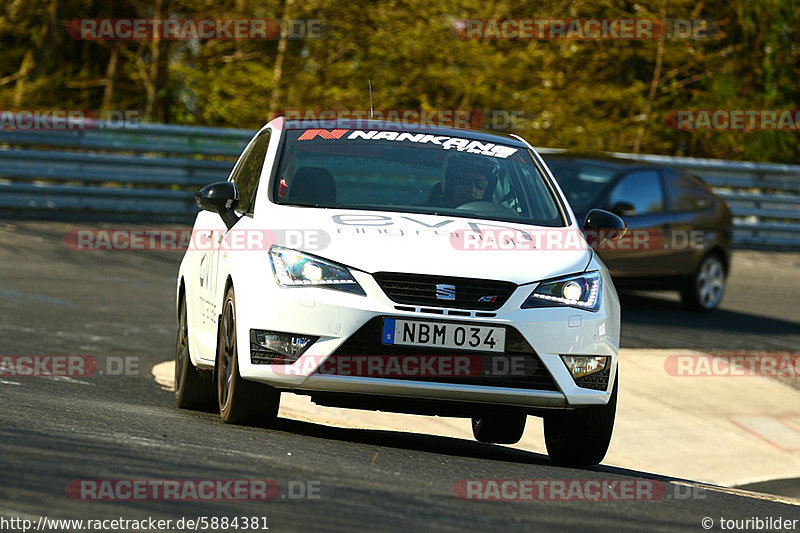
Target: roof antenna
371,110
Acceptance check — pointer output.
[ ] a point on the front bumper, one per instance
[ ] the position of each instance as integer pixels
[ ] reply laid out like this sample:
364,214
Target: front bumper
336,317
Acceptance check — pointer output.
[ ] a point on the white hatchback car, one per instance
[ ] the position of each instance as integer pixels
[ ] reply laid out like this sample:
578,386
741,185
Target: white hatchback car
395,267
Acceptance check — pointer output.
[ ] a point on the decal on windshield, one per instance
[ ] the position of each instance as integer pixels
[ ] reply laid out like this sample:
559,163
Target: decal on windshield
447,143
325,134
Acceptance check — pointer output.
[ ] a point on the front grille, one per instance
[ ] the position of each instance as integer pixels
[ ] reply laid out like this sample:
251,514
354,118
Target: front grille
518,367
420,290
596,381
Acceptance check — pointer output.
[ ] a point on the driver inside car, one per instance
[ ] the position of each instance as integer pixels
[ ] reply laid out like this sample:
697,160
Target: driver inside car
467,178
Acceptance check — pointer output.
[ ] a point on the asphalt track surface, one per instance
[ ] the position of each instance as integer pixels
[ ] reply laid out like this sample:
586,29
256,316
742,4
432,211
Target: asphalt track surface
112,305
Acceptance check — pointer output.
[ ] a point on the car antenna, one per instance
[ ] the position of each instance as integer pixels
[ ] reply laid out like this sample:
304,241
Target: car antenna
371,110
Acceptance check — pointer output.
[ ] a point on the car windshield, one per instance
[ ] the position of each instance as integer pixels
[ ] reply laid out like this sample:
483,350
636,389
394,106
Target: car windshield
581,181
415,172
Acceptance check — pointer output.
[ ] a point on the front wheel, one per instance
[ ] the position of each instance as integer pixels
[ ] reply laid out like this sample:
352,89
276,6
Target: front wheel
703,292
581,437
240,401
503,426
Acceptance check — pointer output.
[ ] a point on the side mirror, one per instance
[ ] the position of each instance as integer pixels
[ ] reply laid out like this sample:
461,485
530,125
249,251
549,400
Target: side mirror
623,209
600,226
221,198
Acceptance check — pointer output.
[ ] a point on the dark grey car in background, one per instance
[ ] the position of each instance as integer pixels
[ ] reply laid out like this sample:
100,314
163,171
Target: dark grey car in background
679,230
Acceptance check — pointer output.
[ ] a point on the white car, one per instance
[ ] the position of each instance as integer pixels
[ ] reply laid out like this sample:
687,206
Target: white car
395,267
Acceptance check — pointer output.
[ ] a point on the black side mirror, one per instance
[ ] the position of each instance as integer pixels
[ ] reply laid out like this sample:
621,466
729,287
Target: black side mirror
221,198
600,226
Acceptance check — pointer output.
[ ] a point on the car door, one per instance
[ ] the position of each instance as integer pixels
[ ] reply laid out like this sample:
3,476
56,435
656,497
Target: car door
246,176
638,197
216,239
200,305
691,226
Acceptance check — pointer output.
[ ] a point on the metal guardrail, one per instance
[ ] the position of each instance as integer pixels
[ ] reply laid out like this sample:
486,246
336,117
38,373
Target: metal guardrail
151,169
154,169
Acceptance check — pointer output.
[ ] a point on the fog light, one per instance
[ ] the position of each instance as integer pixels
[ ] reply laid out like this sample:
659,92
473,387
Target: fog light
288,345
583,365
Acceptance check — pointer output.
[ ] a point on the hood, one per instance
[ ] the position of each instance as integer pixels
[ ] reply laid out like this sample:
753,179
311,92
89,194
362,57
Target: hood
380,241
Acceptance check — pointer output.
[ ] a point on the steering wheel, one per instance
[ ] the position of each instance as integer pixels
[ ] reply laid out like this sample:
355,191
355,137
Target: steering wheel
489,208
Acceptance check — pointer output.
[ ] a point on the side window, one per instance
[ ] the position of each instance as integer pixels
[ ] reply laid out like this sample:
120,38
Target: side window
683,194
639,193
248,172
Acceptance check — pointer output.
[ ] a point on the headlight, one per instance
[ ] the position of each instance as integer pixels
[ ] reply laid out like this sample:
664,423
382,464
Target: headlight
581,291
296,269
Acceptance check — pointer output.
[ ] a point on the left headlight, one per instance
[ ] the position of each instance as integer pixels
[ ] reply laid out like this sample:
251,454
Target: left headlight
581,291
296,269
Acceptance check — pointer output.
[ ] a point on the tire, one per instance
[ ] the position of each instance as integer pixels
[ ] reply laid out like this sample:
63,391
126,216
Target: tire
503,426
581,437
703,292
240,401
192,391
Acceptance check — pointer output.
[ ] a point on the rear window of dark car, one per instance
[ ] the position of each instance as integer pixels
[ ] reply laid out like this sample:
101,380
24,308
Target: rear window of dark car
685,194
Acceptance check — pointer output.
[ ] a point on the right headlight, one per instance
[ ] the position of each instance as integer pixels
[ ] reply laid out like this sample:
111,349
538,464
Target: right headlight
580,290
296,269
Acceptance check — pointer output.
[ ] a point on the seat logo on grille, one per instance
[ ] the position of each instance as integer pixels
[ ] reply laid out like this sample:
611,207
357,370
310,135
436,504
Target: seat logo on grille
445,291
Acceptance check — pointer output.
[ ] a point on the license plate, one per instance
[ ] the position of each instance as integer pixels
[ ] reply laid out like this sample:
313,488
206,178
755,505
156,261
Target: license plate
443,335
